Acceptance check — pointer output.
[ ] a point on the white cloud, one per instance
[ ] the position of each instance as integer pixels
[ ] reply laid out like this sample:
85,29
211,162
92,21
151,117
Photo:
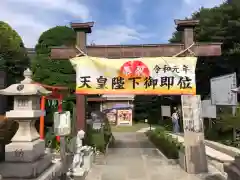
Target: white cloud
71,7
193,5
30,25
27,17
189,7
116,34
122,34
24,24
130,8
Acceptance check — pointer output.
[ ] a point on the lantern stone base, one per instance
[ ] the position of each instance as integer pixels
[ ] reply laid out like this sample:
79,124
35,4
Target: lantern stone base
24,151
25,169
53,172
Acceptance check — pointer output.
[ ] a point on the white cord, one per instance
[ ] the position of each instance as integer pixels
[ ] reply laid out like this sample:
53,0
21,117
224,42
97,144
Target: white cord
181,52
187,49
82,53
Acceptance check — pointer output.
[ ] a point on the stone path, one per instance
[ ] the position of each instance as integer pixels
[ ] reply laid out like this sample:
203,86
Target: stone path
135,158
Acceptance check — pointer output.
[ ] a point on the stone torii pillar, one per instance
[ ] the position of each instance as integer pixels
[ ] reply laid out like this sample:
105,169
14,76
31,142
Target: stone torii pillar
81,30
126,51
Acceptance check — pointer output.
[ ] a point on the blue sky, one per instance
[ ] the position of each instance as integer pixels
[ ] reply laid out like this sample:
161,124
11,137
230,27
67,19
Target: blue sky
116,21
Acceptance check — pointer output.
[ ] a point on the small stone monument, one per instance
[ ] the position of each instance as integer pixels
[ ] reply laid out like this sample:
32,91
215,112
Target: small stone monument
77,164
25,156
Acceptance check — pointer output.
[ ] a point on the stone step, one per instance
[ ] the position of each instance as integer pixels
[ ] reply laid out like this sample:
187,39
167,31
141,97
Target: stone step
232,171
231,151
237,162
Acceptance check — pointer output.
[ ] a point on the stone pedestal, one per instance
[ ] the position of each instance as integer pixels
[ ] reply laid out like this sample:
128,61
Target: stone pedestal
25,156
88,159
182,160
196,161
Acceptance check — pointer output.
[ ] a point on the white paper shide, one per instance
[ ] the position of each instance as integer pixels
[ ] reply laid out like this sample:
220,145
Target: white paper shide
62,123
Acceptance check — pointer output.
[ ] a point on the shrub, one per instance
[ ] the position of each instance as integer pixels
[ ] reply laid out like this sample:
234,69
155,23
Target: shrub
167,124
168,145
99,138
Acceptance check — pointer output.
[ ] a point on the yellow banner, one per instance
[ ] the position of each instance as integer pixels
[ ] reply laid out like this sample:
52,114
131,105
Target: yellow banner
152,75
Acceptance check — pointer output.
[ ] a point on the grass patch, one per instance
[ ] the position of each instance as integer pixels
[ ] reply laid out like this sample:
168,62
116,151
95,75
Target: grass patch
135,127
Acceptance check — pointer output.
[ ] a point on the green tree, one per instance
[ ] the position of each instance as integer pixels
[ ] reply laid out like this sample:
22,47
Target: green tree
218,24
13,55
54,72
56,36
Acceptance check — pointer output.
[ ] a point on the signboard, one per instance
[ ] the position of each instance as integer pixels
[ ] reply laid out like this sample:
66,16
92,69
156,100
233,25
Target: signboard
166,111
124,117
191,111
221,90
97,125
155,75
208,110
112,115
62,123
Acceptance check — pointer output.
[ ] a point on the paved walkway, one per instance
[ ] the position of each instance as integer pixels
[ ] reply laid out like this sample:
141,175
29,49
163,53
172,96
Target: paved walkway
135,158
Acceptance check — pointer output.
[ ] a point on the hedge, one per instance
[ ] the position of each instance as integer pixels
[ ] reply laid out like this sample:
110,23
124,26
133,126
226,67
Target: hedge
168,145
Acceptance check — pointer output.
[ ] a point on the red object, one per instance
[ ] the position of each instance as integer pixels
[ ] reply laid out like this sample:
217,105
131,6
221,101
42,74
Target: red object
134,69
41,128
55,95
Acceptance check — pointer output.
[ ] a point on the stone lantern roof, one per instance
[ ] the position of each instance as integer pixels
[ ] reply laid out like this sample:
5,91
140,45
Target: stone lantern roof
25,87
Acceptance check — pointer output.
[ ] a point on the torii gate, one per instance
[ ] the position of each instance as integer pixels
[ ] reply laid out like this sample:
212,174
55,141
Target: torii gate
194,164
126,51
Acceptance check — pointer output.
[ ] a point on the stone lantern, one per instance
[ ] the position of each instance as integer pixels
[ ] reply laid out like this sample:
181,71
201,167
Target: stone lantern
25,156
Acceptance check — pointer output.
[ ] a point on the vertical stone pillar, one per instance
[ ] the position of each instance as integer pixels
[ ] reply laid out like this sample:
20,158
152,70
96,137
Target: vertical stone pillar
81,30
196,160
187,27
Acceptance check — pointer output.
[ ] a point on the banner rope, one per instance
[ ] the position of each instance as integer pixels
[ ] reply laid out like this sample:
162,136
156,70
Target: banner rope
187,49
181,52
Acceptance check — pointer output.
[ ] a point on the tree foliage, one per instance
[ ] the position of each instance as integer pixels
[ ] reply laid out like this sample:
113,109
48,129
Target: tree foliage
218,24
13,56
54,72
57,36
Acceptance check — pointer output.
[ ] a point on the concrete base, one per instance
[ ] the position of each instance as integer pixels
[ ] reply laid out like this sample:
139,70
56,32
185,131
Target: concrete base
24,151
52,173
182,160
232,171
88,161
25,169
78,172
196,160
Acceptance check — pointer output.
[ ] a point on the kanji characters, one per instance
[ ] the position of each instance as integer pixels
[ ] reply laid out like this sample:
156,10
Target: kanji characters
85,80
118,83
101,81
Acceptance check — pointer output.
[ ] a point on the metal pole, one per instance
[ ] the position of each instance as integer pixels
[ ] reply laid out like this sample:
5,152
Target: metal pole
63,157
